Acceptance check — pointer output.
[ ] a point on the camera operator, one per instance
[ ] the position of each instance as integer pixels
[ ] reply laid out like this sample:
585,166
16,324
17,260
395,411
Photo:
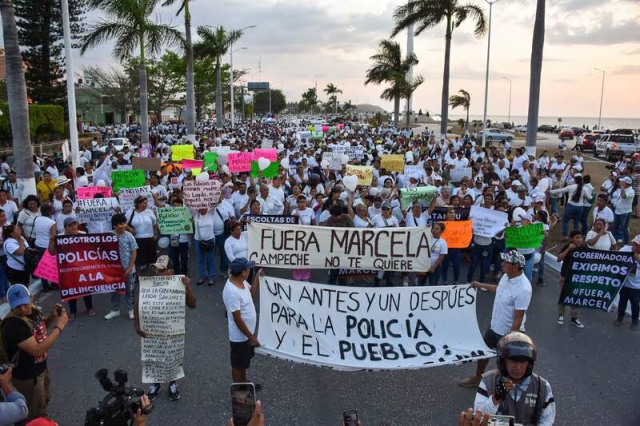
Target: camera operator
513,389
14,409
26,341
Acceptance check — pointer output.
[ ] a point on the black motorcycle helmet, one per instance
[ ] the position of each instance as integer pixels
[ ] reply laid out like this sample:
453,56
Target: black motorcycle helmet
515,346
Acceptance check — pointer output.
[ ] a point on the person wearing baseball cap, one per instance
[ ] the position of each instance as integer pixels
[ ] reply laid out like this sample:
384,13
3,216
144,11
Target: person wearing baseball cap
513,294
26,342
622,200
241,316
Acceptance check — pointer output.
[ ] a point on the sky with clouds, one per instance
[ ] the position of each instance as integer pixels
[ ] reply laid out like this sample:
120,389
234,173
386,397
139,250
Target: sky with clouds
297,42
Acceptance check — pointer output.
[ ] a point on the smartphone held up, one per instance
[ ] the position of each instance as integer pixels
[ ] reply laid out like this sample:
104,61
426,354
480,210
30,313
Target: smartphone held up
243,402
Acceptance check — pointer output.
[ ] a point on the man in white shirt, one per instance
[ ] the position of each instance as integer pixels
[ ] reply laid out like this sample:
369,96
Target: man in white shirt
240,198
502,171
513,295
8,206
222,216
268,203
602,211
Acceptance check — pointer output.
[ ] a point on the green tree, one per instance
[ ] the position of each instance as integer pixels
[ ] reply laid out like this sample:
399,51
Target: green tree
18,104
129,22
537,49
41,37
332,91
166,81
214,44
190,116
390,67
426,14
114,88
463,100
347,107
310,99
261,101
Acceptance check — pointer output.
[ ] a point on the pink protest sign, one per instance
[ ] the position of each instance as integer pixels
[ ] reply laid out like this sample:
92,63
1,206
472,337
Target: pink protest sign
192,164
239,162
88,192
47,268
270,154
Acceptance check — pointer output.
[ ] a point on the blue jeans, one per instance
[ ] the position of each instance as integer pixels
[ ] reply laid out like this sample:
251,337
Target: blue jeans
224,260
584,219
4,282
528,267
571,212
541,268
554,206
454,259
498,248
180,258
206,261
621,227
129,293
631,295
433,278
480,255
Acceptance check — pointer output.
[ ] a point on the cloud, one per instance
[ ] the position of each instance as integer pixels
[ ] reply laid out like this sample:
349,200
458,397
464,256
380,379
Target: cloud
604,32
634,52
627,70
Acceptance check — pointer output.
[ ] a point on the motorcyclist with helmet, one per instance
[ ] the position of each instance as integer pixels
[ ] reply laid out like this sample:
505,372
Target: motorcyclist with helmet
513,389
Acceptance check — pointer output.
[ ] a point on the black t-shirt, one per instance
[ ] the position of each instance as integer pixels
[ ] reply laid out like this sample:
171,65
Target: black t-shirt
16,331
564,269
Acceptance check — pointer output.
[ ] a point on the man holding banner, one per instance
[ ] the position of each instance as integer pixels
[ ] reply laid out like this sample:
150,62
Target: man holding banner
513,295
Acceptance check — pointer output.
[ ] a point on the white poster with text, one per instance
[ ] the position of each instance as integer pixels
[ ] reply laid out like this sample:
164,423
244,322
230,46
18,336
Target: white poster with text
487,222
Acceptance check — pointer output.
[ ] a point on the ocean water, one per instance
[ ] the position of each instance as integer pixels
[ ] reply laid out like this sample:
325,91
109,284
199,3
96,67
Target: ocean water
606,123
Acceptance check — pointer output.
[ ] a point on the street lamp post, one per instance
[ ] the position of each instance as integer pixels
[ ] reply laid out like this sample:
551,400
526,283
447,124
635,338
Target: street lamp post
601,96
486,81
231,74
509,80
71,88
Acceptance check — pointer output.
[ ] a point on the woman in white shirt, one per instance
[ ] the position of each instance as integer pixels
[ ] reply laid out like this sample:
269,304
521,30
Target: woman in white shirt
204,237
236,246
30,210
359,216
414,216
622,200
438,253
577,195
45,231
599,238
15,246
306,217
385,220
142,223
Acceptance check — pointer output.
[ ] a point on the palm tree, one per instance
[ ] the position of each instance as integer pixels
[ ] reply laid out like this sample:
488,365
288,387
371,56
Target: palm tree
18,103
214,44
407,89
462,100
191,98
310,98
128,21
332,91
536,75
390,67
348,106
426,14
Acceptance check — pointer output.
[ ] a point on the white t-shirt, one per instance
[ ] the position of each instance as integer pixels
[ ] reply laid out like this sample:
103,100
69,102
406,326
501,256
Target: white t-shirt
623,205
307,216
604,243
204,225
360,223
235,248
9,208
380,222
606,214
512,295
237,299
13,260
411,221
142,222
42,231
438,247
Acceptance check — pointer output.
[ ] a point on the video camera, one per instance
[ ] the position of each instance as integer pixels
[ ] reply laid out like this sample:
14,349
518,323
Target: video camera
120,405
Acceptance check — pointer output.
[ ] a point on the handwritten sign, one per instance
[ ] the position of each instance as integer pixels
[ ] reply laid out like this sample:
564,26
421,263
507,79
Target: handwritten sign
421,193
270,154
432,332
460,173
239,162
180,152
174,220
211,161
127,196
411,170
530,236
127,179
86,192
486,222
334,159
149,164
162,358
364,173
266,143
392,162
96,209
201,194
47,268
194,165
458,234
354,152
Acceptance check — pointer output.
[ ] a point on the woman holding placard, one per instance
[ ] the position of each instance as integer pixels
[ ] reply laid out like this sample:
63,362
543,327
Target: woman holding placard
453,257
306,217
142,223
359,216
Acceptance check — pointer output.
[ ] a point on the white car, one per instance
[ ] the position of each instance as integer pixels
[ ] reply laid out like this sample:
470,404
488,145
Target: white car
497,135
520,129
118,143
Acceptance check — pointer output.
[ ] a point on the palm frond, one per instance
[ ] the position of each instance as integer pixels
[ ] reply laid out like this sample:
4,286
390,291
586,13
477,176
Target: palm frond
101,32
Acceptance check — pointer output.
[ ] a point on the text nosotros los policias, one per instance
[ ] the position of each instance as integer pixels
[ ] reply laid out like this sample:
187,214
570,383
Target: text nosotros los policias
379,243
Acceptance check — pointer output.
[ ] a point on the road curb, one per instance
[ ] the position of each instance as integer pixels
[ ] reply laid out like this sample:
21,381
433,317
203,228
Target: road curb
35,288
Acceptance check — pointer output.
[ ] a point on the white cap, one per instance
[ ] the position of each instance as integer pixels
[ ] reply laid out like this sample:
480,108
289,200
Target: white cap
516,183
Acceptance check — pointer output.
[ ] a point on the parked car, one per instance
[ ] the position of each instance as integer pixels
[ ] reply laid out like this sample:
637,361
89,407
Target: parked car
566,133
497,135
118,143
506,125
521,128
545,128
612,144
589,141
577,131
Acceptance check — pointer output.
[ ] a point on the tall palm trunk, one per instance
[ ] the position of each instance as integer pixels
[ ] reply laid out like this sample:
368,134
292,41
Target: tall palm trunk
445,83
219,118
191,98
467,125
537,49
396,112
18,104
144,95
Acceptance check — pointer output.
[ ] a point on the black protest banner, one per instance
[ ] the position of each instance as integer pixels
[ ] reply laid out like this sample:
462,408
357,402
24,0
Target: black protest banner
356,274
439,214
282,219
595,277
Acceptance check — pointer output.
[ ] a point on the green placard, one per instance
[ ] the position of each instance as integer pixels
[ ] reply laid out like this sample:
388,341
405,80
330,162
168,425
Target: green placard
127,179
211,161
530,236
174,220
269,172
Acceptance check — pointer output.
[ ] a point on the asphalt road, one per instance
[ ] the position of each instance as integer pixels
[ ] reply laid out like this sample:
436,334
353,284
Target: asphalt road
592,371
